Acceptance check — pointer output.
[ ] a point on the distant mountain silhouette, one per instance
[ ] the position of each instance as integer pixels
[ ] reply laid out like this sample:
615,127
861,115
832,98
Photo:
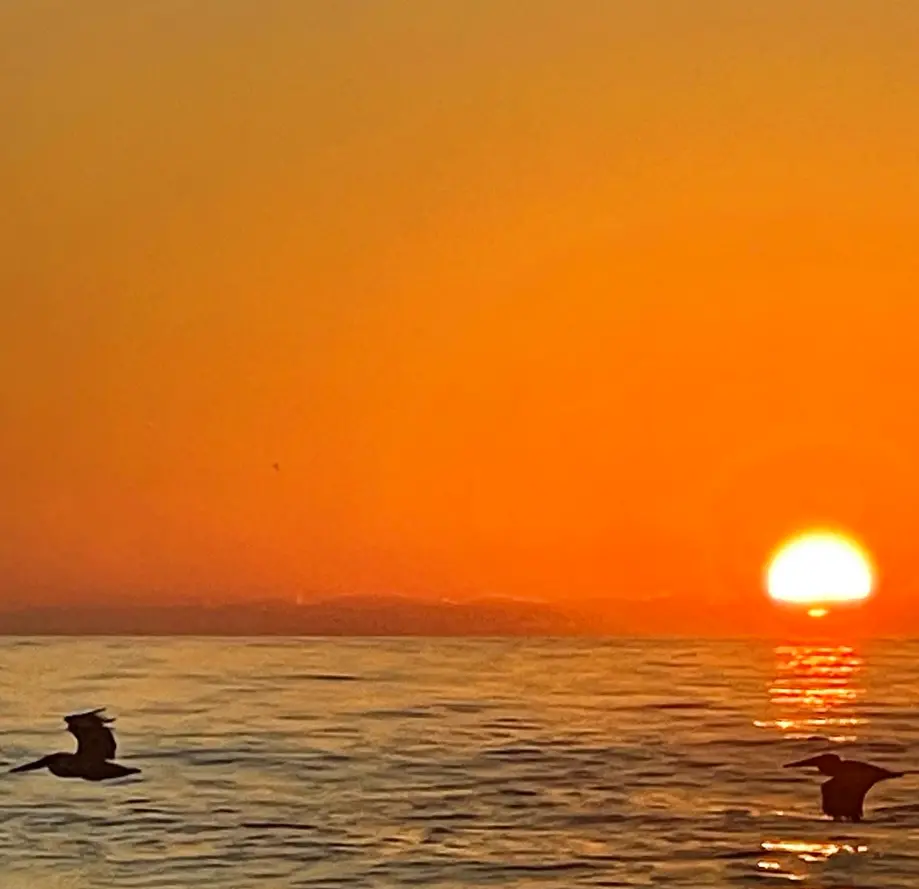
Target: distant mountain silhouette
339,616
753,615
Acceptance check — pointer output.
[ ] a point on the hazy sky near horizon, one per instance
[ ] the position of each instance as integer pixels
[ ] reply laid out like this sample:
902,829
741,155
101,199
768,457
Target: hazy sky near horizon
542,298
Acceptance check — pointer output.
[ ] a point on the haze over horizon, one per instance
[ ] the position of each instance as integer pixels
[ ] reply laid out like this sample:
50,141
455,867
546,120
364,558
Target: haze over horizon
577,307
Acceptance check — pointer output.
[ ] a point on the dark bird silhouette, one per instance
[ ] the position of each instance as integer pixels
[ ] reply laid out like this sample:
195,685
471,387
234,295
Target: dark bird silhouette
95,747
276,467
844,794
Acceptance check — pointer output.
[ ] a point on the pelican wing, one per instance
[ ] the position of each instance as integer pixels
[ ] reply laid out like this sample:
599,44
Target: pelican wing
844,795
844,798
95,740
865,773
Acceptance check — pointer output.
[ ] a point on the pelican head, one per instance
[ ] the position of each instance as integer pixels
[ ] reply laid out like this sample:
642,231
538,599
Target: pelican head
825,763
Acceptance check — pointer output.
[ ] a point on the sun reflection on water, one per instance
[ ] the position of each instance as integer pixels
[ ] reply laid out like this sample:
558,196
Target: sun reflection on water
814,691
807,852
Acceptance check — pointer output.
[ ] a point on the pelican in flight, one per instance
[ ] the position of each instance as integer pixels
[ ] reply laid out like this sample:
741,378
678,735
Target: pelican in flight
844,794
95,749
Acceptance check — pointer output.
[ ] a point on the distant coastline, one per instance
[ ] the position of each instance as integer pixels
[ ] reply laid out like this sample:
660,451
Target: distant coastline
338,616
394,615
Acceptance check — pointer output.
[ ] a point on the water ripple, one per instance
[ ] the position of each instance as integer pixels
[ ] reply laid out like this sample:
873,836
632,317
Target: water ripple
455,763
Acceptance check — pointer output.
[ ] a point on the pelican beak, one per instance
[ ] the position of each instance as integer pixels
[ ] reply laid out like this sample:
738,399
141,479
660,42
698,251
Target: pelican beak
801,763
32,766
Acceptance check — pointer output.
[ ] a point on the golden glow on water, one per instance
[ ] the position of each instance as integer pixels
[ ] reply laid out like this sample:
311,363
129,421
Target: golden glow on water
775,869
807,852
818,612
820,567
813,692
812,851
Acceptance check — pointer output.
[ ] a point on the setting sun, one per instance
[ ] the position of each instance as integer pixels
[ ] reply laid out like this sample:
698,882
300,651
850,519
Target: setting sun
818,568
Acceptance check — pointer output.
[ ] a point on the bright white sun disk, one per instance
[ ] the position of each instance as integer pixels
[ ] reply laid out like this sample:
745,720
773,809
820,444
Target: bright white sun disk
820,567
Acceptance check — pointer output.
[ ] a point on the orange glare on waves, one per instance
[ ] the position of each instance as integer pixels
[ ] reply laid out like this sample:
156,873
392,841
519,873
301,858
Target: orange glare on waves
817,569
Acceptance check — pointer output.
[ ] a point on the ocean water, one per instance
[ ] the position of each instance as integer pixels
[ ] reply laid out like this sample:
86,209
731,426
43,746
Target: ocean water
458,763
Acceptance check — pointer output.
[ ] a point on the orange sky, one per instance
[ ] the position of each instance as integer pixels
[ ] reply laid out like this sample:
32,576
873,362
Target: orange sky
522,301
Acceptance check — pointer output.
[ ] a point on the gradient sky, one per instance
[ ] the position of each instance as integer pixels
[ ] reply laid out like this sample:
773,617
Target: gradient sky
566,300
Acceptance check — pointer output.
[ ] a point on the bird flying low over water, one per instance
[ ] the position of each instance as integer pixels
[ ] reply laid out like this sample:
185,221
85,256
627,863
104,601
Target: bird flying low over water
95,749
844,794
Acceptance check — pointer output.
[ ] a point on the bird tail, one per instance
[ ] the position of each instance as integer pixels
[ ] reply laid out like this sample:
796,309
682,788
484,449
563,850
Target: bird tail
107,770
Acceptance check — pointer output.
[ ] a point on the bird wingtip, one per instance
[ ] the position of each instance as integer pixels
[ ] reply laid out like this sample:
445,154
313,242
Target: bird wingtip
97,714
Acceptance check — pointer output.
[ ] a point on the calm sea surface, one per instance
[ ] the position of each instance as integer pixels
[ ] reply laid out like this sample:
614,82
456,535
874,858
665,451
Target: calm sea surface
457,763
